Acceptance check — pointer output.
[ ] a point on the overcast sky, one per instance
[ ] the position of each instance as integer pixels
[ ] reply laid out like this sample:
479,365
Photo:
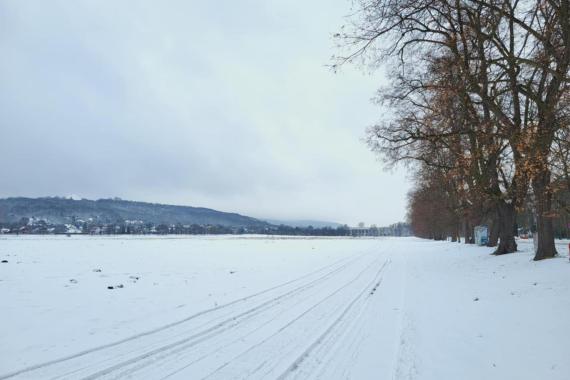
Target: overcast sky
224,104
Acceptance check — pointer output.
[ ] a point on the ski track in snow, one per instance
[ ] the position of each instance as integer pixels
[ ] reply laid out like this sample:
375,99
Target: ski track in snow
287,331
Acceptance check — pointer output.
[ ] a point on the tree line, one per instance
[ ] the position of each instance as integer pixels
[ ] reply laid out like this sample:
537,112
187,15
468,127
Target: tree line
478,95
35,226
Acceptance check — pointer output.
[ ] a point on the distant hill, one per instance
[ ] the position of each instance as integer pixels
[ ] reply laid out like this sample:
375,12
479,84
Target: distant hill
64,210
303,223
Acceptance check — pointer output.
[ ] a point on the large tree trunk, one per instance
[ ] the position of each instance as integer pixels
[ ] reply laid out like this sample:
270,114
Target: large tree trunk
507,219
544,227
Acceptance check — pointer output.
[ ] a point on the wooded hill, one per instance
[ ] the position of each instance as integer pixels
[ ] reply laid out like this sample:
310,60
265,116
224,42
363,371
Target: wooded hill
64,210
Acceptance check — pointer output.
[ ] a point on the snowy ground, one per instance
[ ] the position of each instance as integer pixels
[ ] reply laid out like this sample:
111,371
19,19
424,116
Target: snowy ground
276,308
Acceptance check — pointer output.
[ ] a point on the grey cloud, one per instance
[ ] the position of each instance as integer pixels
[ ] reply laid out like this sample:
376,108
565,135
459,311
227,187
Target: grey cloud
225,105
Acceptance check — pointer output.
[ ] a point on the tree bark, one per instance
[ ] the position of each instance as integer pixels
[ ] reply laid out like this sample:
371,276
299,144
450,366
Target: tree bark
467,231
494,230
544,226
506,220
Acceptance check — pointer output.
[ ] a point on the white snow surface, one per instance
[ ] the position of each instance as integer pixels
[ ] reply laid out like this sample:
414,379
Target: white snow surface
279,308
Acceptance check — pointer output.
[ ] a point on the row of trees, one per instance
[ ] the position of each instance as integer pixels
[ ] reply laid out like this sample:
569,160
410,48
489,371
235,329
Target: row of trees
480,97
27,226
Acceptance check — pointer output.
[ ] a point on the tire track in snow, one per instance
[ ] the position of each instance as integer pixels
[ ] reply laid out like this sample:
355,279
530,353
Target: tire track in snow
265,345
276,333
295,365
347,262
406,365
204,335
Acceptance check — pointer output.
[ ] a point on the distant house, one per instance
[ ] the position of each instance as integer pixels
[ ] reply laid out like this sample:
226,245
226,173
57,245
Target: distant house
71,229
364,231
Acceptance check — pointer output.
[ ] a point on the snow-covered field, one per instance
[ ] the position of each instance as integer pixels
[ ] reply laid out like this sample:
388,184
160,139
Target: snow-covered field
270,308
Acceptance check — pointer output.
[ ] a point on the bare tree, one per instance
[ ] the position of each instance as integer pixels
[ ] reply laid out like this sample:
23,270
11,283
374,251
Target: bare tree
510,62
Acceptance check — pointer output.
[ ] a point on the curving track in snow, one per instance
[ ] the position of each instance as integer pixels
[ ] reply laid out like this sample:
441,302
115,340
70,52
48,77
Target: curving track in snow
288,331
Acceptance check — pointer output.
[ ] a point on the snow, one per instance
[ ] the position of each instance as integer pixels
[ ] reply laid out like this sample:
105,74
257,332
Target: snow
71,229
236,307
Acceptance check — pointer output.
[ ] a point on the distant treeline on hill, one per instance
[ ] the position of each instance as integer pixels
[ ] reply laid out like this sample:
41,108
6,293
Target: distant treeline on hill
56,210
119,217
41,227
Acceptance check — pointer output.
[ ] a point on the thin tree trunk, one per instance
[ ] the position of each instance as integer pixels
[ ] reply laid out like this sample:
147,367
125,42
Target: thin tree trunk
467,231
494,230
507,219
544,226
